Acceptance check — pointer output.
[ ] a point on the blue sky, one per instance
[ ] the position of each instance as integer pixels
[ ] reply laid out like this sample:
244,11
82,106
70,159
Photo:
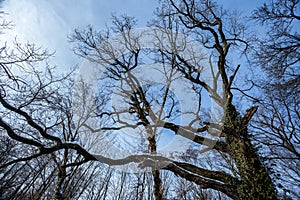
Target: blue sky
48,22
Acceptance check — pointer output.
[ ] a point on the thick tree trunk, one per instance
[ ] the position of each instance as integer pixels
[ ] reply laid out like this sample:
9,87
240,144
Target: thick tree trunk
255,180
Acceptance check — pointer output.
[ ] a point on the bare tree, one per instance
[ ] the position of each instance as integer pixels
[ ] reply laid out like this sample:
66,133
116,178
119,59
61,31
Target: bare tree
278,122
247,177
47,115
34,122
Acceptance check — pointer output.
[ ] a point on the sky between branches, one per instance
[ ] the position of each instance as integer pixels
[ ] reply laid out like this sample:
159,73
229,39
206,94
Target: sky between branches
47,23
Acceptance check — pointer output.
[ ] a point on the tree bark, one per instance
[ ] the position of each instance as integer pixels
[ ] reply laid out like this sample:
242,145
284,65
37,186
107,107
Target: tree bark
255,180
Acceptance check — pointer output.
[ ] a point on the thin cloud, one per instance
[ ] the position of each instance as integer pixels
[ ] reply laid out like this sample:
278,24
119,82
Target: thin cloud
48,23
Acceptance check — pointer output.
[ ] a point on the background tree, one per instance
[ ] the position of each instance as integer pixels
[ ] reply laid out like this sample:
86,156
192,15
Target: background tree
277,124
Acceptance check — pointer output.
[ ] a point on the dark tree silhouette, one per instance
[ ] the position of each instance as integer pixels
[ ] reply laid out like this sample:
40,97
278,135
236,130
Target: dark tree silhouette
43,115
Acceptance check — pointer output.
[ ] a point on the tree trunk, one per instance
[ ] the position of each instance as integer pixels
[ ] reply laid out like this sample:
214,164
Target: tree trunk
255,180
158,192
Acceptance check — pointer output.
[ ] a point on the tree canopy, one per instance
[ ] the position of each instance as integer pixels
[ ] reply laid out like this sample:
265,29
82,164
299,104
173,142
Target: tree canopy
159,112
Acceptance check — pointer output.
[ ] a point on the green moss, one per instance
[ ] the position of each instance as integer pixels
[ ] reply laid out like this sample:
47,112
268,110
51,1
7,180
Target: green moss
255,180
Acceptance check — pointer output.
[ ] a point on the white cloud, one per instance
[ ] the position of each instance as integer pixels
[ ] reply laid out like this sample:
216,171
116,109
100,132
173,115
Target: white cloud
47,23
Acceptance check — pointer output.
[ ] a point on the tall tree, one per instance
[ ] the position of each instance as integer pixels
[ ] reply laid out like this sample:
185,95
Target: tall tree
277,123
248,178
134,115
